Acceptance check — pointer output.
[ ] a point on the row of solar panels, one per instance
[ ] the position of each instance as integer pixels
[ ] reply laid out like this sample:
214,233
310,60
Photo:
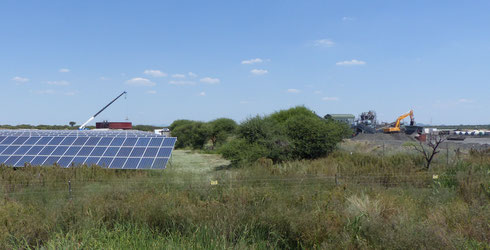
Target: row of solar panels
88,141
108,150
78,133
68,161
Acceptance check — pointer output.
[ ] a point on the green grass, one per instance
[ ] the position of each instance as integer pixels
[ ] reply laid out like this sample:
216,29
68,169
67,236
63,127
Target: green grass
358,200
191,161
131,236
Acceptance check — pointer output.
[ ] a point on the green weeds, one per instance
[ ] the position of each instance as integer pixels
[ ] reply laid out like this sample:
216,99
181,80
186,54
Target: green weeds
341,201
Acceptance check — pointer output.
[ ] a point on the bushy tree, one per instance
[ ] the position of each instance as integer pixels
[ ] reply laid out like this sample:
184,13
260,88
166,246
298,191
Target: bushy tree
220,129
196,134
257,129
268,134
312,137
296,133
283,115
178,123
148,128
199,135
240,150
192,134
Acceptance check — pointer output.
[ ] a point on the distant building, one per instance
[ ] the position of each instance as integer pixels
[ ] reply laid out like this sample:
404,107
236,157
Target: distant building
346,118
163,131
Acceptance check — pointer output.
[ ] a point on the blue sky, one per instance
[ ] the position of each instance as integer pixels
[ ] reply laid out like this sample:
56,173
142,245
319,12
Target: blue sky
62,61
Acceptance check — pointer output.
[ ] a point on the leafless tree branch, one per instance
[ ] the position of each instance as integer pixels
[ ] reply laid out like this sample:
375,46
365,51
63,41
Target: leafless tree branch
433,143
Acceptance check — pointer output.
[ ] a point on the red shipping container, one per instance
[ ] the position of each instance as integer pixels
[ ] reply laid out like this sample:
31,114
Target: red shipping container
114,125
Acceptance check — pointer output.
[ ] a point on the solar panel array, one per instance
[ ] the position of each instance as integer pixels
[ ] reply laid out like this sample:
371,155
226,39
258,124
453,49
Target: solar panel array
117,133
111,149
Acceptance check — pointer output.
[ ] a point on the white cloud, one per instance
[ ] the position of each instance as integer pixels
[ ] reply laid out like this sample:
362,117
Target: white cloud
348,19
20,79
452,103
139,81
103,78
210,80
46,92
259,71
244,102
324,43
329,99
352,62
192,74
202,94
317,92
464,100
54,92
58,83
182,82
294,91
252,61
178,76
151,92
64,70
154,73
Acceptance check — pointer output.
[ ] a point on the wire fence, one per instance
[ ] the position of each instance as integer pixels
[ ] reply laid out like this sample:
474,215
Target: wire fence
77,187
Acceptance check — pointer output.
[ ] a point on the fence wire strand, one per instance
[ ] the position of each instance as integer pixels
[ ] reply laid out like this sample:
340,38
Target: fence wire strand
77,187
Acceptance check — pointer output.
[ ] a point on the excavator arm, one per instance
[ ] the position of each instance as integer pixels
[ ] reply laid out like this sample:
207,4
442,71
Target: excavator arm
403,117
396,127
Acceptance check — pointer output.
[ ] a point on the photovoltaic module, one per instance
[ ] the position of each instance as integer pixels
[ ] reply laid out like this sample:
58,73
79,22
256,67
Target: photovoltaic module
117,149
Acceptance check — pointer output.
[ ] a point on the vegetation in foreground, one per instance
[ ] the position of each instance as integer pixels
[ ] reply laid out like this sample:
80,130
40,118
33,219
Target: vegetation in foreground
344,200
286,184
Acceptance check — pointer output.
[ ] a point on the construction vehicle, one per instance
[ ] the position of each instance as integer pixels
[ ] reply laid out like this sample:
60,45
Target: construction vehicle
395,127
366,124
83,126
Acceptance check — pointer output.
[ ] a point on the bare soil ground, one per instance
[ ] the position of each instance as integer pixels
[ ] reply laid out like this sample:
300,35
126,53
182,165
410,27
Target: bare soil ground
384,137
396,141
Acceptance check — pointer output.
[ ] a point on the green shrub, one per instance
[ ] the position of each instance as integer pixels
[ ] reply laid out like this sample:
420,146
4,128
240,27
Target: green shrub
196,134
178,123
239,151
296,133
291,205
312,137
282,116
257,129
148,128
220,129
269,135
192,134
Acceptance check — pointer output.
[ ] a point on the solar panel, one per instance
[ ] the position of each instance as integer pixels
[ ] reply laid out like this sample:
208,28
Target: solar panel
110,149
76,133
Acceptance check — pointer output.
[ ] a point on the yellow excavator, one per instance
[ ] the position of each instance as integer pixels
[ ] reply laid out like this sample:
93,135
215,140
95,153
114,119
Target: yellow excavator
395,127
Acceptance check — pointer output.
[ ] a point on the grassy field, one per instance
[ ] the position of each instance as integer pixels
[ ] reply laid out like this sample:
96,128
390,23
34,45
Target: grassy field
190,161
351,199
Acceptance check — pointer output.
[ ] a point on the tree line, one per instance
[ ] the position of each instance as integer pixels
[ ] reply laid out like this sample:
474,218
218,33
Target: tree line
296,133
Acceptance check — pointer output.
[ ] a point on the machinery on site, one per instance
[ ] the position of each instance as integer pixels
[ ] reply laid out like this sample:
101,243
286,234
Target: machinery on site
83,126
395,126
366,124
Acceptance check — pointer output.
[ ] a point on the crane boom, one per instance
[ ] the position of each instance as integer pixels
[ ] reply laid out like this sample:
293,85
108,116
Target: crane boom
82,127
